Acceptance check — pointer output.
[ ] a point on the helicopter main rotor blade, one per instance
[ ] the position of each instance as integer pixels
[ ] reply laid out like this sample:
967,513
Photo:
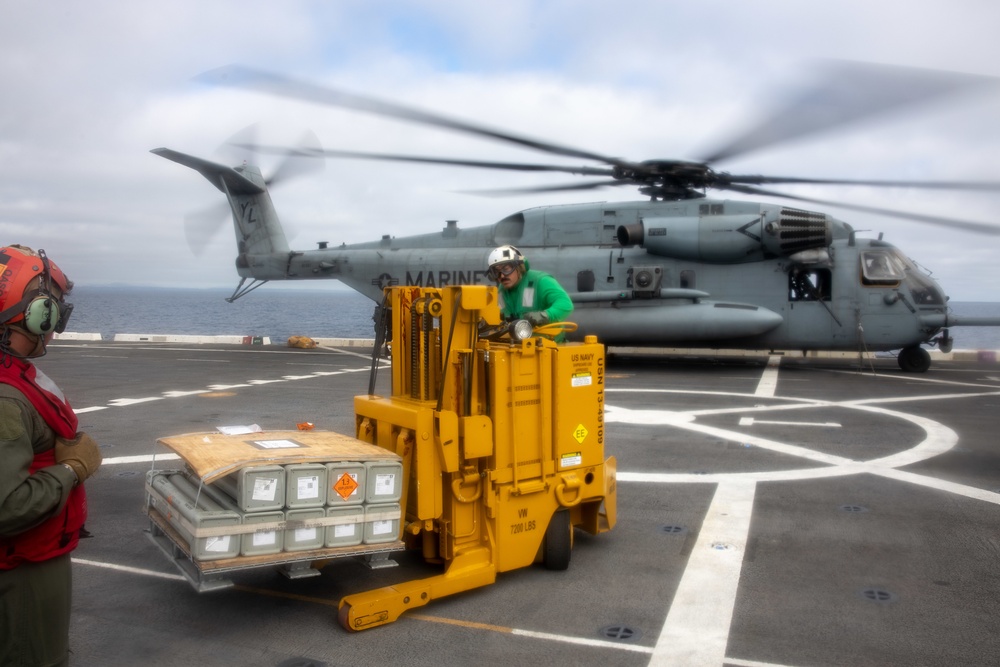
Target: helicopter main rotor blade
847,92
968,225
458,162
590,185
238,76
982,186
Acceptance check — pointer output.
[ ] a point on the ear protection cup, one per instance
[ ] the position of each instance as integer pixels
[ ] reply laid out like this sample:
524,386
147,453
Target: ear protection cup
42,315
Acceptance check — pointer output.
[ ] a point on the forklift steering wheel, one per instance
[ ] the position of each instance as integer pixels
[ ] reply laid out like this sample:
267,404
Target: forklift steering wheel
554,329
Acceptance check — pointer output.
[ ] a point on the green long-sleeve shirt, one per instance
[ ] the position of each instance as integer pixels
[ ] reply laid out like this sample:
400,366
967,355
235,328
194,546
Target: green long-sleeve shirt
536,291
27,500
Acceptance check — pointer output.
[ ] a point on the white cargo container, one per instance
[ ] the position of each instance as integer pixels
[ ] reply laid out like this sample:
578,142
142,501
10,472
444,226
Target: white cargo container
381,523
256,488
186,518
263,541
348,531
384,481
305,485
299,535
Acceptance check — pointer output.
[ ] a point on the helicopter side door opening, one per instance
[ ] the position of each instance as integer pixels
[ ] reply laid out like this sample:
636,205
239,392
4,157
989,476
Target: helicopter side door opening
810,285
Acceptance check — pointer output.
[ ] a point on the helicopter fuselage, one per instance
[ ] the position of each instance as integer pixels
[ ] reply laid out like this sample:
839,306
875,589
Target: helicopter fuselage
694,273
702,273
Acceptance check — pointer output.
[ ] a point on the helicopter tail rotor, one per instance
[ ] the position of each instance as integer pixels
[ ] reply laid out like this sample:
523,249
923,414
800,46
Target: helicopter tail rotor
201,226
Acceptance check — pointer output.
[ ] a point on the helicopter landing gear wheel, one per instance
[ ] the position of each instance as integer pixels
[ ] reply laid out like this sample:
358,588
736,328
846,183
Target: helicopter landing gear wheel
558,546
914,359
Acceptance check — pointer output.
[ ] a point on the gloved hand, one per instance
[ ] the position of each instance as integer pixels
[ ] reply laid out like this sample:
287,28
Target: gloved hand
81,454
537,318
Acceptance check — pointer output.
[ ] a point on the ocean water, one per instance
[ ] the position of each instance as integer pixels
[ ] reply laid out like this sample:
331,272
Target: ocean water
317,313
278,313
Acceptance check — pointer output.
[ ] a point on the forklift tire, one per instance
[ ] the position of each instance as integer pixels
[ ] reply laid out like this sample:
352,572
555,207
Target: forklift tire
558,542
343,618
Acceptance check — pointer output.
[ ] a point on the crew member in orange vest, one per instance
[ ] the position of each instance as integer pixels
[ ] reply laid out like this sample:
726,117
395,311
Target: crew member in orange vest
44,461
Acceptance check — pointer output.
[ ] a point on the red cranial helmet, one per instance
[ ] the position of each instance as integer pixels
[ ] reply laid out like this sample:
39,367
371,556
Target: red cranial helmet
35,306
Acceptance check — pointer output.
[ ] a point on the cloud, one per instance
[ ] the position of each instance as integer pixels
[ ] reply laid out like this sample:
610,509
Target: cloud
90,89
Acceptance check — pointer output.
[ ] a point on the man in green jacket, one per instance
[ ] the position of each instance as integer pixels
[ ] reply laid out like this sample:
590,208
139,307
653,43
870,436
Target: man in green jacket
524,292
44,461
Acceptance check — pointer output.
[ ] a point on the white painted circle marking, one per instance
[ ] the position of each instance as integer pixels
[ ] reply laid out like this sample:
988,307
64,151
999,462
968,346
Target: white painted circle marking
939,439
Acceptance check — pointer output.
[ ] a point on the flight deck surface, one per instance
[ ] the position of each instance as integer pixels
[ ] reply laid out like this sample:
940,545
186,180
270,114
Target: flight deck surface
778,512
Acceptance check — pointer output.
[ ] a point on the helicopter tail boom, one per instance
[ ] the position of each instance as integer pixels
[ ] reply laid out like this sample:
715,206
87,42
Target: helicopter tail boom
263,249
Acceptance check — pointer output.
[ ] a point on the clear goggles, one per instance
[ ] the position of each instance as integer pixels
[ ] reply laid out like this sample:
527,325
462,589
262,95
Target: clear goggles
504,269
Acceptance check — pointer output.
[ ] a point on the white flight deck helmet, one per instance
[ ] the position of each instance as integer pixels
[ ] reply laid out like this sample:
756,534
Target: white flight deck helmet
504,255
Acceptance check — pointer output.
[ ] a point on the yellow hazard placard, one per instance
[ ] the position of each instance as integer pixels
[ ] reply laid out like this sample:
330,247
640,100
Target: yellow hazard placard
345,486
580,433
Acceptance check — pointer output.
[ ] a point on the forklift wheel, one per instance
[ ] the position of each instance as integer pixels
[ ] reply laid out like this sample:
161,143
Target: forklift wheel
343,618
558,541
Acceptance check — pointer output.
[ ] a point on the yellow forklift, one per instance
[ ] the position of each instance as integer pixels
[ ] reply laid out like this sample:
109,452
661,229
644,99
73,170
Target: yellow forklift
501,435
496,432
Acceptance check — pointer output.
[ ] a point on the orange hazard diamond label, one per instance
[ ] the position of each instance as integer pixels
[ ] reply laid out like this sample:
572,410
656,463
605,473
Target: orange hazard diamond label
345,486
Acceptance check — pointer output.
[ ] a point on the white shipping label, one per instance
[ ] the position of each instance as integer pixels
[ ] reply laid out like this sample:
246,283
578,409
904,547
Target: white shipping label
381,527
217,544
571,460
385,484
265,539
308,487
265,488
305,534
344,530
276,444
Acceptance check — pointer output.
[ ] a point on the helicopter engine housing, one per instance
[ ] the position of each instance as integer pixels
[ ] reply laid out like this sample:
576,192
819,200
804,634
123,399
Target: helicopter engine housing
720,239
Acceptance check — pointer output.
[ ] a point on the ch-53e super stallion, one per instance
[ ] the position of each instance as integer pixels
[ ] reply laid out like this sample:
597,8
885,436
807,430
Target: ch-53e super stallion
676,270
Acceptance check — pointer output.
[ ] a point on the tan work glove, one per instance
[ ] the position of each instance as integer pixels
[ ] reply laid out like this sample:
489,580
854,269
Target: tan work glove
538,318
81,454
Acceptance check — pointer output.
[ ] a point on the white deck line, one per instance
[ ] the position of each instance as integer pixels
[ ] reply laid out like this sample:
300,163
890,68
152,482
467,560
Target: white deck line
769,380
696,631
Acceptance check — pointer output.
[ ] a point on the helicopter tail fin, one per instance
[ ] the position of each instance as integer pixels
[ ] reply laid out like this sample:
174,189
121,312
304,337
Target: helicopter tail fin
263,248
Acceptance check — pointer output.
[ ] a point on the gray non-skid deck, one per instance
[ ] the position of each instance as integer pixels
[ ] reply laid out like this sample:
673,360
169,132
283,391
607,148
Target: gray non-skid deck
794,513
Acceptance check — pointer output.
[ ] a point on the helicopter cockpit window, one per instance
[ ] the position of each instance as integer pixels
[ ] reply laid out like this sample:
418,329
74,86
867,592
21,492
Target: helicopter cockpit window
880,267
811,285
924,290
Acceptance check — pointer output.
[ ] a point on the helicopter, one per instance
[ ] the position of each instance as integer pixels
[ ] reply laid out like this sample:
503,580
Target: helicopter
678,269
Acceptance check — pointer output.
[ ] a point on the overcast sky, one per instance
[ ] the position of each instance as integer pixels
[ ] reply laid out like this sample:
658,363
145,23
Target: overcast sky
90,87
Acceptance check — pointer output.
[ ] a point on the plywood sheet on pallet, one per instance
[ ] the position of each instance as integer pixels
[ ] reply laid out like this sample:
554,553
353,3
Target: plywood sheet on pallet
214,455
